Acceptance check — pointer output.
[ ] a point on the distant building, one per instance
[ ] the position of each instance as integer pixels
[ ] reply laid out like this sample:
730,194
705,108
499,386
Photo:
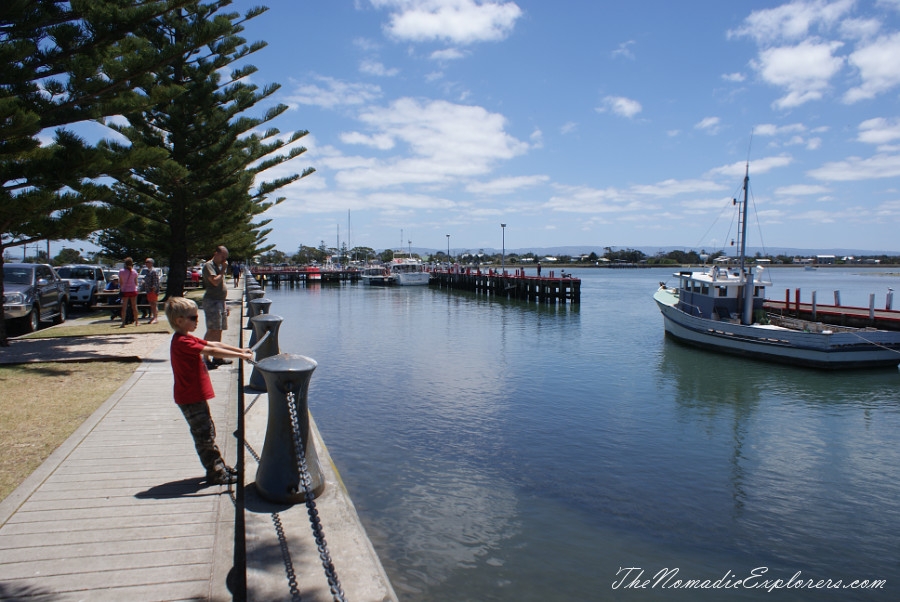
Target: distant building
825,259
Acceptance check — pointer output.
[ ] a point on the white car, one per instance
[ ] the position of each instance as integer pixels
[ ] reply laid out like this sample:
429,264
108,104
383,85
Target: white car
84,282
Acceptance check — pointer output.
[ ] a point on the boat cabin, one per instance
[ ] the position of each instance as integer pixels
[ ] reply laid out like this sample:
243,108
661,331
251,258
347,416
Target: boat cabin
717,294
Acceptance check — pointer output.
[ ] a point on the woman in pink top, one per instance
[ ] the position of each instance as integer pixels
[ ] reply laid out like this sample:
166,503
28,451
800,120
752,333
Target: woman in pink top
128,284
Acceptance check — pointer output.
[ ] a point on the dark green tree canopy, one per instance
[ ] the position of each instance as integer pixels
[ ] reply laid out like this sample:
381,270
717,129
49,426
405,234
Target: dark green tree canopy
206,191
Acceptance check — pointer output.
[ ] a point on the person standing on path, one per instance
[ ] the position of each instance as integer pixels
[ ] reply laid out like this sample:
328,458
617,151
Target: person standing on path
236,274
151,285
128,284
193,389
214,272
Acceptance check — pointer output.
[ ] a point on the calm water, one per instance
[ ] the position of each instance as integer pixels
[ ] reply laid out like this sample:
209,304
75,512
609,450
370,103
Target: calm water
500,450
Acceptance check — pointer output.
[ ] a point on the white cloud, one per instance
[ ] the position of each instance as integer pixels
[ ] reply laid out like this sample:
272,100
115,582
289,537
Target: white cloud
855,168
381,142
879,130
804,70
770,129
375,68
446,141
708,124
624,50
448,54
457,21
792,21
669,188
879,68
801,190
620,105
584,199
757,166
568,127
503,186
333,93
733,77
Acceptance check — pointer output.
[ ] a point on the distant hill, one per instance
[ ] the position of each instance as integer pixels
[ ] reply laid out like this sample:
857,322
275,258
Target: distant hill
574,251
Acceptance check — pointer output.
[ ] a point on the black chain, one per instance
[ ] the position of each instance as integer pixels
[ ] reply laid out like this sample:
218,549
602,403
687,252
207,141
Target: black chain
306,484
286,557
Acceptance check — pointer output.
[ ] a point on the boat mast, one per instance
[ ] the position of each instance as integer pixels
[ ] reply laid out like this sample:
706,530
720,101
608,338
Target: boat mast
743,218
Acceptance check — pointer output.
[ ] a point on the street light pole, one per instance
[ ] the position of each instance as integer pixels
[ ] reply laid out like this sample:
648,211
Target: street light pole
448,252
503,252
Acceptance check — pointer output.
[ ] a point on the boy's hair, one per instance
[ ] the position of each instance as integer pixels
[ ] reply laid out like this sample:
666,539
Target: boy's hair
179,307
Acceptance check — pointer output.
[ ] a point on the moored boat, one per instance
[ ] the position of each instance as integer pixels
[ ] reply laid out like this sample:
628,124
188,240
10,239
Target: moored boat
378,276
721,309
409,271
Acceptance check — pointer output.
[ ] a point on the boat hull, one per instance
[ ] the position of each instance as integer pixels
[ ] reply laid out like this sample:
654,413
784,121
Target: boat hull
412,278
830,351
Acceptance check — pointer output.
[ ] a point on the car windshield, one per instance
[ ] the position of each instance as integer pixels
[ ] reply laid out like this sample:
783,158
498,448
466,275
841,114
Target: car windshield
84,273
17,275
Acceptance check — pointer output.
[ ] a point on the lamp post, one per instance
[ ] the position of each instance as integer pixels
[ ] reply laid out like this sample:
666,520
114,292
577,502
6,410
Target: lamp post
503,252
448,252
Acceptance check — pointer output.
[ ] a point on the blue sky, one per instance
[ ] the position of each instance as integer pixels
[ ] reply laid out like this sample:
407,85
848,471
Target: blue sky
623,124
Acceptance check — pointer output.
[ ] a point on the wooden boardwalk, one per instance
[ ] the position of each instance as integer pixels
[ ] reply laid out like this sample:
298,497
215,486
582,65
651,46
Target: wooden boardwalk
121,511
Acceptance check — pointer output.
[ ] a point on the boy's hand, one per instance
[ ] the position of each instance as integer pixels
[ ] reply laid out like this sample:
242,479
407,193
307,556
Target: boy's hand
247,354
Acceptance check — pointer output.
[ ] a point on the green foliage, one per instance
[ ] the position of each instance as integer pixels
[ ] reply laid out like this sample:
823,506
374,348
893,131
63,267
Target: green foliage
207,190
64,62
67,255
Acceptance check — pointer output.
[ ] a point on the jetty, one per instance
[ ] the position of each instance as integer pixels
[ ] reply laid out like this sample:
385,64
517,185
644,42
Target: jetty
291,276
842,315
516,285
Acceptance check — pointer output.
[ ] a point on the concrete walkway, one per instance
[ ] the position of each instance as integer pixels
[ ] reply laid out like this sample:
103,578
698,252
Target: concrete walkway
121,510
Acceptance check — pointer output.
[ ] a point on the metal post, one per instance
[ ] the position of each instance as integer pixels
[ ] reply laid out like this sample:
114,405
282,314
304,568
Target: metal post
255,308
262,324
448,252
287,379
503,252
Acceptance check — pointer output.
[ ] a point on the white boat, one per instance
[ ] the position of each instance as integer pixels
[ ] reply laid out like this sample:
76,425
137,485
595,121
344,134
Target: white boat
378,275
721,309
409,271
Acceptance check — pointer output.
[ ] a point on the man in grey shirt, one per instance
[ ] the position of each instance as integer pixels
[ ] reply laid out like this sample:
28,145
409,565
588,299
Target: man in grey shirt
214,309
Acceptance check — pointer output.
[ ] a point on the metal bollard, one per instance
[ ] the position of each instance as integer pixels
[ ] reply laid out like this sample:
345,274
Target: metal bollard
262,324
255,308
278,476
251,297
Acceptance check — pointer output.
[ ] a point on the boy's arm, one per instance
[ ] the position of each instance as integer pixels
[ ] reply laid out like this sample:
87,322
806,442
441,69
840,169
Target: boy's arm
223,350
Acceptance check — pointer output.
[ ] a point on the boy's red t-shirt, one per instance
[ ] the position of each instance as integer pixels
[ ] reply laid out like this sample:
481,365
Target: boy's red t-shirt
192,384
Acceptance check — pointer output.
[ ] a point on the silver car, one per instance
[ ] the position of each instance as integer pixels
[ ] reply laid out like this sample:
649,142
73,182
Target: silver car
84,282
33,293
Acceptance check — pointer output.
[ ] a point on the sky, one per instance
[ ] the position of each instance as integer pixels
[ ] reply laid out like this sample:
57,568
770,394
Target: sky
585,123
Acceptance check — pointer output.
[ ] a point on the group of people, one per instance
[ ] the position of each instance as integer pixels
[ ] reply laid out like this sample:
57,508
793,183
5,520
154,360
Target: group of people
130,285
191,357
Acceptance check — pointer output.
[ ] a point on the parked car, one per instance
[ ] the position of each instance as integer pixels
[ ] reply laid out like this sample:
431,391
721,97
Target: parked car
84,282
163,277
33,293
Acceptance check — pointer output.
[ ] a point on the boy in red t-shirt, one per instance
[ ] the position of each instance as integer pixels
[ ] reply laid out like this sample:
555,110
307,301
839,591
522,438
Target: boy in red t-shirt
193,389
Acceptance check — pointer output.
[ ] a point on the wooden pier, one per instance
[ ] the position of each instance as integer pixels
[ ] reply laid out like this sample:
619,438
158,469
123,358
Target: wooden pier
514,285
841,315
296,276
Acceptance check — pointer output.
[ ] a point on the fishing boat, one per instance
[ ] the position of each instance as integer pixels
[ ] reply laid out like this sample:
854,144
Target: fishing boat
409,271
377,275
721,309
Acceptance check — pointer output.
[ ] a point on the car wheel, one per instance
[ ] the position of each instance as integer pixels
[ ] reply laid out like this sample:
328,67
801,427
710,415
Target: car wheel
90,302
34,319
59,319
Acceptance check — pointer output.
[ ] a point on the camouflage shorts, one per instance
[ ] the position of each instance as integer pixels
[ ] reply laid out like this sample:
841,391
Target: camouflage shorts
216,314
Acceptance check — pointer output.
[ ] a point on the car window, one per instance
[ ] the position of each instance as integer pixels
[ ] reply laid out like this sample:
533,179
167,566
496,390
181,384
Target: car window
44,272
16,275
